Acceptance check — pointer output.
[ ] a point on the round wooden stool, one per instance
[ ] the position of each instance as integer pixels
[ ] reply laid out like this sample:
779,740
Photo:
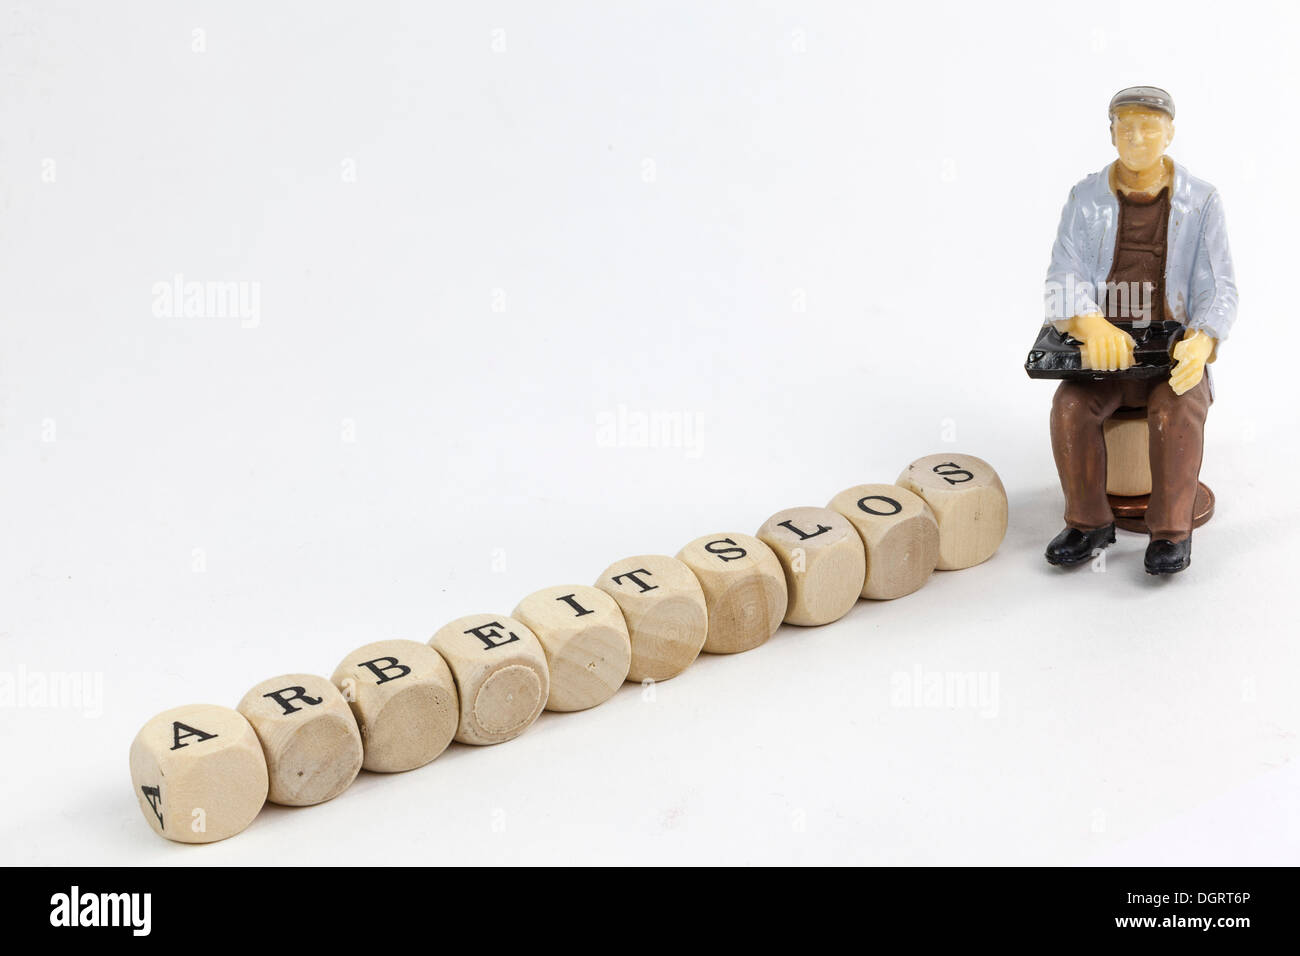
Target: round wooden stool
1128,473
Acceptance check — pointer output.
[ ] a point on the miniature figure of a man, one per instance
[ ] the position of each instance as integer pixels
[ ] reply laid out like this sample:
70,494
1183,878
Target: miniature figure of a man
1145,227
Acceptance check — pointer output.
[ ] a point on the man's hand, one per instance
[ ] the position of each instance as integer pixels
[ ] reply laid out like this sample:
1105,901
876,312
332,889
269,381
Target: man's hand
1105,348
1191,354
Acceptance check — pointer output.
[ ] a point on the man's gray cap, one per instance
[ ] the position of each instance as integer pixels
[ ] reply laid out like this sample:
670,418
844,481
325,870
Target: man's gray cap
1152,97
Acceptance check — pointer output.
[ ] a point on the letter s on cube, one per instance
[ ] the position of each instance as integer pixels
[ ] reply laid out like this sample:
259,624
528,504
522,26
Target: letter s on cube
968,501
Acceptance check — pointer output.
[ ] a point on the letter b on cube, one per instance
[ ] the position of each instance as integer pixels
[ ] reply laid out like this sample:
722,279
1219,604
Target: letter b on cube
404,699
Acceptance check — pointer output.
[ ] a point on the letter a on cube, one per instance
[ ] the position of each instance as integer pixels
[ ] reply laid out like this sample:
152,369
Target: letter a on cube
199,773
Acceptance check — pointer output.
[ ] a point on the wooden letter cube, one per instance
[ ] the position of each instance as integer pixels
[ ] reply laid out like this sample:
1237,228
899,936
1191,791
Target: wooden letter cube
824,561
588,650
199,773
404,699
744,588
900,534
968,501
664,608
310,738
500,672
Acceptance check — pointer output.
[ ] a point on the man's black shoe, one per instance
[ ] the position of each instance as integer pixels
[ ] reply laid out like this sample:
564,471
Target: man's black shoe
1073,546
1168,557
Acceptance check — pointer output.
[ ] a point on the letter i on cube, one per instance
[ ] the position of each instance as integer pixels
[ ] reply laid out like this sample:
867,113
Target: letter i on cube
588,650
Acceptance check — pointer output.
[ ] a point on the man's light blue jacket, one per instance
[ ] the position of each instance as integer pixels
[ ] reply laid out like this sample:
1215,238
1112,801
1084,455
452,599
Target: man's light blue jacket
1200,290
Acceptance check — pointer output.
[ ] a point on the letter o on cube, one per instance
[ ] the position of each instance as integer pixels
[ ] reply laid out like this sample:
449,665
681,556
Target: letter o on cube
588,650
899,533
968,501
404,699
824,561
500,672
663,606
199,773
744,588
310,738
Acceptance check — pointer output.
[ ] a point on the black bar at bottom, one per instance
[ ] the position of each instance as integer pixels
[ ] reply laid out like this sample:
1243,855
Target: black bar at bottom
212,905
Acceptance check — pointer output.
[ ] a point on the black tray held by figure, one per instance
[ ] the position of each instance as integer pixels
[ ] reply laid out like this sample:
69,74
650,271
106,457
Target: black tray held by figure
1056,355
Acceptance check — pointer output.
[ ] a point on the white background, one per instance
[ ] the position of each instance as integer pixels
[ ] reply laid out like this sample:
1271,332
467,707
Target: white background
814,233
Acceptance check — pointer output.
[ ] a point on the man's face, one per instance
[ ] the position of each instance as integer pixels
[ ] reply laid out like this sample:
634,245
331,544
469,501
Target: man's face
1141,136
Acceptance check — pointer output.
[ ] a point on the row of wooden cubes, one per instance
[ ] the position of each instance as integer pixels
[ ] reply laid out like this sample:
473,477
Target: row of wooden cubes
202,772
